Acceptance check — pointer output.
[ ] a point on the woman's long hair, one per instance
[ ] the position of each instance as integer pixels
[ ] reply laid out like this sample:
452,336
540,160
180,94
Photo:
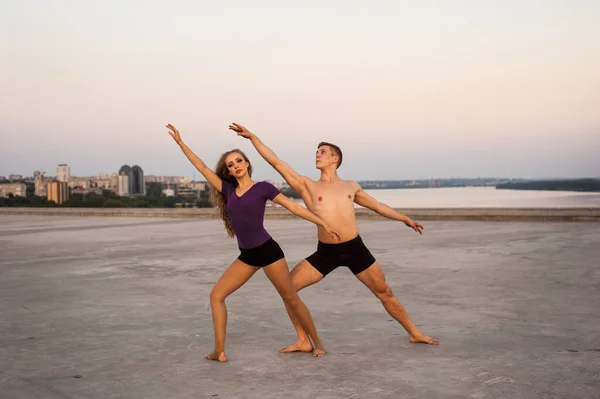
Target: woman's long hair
217,199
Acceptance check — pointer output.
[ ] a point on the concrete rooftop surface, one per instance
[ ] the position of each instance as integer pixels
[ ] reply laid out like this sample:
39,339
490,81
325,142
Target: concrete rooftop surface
118,307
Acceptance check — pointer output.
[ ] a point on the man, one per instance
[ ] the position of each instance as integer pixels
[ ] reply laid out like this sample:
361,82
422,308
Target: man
332,199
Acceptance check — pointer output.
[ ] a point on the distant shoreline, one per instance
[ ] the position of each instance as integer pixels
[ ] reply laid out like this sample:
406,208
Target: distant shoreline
508,186
579,185
439,214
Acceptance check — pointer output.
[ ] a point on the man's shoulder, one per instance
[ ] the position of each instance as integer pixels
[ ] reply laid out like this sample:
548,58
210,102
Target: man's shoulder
352,183
307,181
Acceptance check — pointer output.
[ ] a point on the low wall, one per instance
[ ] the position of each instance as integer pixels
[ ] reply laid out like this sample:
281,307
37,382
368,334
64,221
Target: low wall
489,214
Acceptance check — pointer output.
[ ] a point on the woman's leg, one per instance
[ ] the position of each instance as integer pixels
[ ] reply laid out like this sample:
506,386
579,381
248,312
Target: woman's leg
233,278
279,275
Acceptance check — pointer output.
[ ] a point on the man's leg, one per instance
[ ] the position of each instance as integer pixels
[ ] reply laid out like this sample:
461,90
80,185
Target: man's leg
374,279
303,275
279,274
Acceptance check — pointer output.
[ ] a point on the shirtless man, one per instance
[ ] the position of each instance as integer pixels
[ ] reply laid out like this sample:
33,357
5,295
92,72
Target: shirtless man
332,199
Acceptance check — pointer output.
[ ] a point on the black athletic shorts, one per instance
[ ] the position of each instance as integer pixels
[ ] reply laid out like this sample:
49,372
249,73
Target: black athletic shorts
263,255
353,254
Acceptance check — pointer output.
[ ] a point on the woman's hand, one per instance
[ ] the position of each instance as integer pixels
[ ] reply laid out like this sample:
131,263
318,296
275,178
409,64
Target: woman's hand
174,133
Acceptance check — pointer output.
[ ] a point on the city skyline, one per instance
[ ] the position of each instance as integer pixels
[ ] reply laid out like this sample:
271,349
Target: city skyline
408,90
186,179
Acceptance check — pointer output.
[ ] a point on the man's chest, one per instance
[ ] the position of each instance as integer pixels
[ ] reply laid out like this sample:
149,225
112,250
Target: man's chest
332,197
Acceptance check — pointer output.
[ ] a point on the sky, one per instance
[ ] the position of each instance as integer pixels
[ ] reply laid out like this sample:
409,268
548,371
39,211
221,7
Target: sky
407,89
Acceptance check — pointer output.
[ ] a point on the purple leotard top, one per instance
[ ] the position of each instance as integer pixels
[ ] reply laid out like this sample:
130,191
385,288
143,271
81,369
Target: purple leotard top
247,213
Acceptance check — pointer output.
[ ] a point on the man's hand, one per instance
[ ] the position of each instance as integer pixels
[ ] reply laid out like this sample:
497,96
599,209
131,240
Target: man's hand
174,133
414,225
240,130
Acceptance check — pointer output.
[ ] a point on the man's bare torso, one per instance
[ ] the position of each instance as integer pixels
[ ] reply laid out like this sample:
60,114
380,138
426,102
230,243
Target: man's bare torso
334,203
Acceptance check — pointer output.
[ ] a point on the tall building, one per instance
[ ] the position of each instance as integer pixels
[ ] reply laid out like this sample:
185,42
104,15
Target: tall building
135,180
40,184
123,185
123,180
139,183
58,192
63,173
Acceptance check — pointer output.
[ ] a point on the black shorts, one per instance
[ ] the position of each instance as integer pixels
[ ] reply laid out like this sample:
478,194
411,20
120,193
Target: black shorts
353,254
263,255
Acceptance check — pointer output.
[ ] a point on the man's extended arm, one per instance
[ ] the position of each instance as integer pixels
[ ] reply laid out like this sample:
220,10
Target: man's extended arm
364,199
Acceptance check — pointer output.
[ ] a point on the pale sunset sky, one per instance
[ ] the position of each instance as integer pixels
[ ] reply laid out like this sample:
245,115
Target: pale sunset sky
407,89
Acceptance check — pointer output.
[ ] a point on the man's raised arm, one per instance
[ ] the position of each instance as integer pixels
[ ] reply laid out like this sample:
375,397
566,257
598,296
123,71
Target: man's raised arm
296,181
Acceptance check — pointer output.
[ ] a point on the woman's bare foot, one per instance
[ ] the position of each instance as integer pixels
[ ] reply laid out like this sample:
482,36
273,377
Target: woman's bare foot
216,355
423,339
300,346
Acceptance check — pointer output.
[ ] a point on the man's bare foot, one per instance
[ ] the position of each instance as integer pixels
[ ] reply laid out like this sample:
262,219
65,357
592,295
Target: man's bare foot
300,346
221,357
319,351
423,339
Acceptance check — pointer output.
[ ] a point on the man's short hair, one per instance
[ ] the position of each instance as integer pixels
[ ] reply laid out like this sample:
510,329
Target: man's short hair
335,149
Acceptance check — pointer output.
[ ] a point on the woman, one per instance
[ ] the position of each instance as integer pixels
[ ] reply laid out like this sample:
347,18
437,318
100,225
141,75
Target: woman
241,204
